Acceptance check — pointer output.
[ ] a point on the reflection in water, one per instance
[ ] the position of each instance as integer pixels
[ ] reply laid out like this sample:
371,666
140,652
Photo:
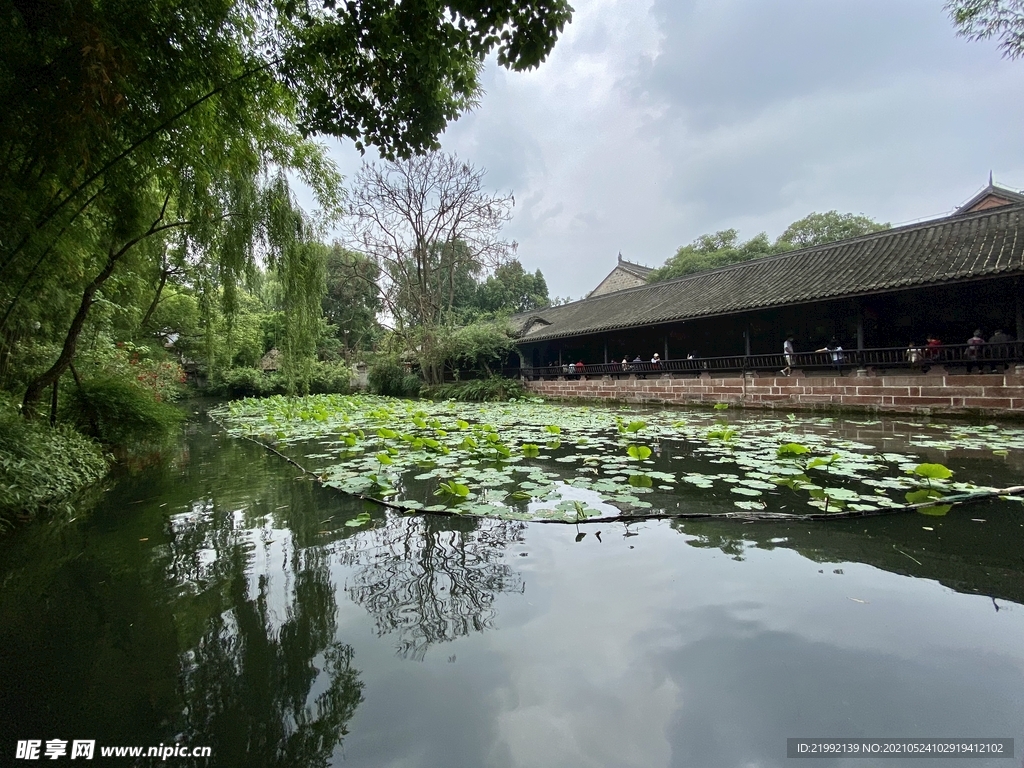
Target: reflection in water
248,690
431,580
264,682
970,554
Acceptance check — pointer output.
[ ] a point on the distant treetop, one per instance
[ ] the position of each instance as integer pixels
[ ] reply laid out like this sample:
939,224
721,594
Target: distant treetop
724,247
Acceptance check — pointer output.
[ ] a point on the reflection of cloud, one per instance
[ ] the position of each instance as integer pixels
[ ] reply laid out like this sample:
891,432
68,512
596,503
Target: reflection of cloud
748,689
431,580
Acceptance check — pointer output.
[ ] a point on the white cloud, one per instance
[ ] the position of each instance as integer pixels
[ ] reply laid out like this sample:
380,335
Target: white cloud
654,122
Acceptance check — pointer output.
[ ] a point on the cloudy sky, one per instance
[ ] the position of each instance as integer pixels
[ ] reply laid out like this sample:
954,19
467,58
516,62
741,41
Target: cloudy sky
654,122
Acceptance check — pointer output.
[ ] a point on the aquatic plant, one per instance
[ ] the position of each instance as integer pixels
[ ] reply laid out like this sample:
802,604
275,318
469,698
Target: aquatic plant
532,460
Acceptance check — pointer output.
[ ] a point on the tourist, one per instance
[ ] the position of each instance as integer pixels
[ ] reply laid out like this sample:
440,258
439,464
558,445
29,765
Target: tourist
625,363
933,348
788,353
913,353
1004,349
656,361
974,345
835,351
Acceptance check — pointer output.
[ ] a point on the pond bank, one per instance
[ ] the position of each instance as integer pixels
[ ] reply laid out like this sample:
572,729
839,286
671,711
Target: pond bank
933,393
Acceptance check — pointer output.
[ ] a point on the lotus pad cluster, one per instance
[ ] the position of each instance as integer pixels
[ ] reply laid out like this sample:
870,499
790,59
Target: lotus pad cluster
530,460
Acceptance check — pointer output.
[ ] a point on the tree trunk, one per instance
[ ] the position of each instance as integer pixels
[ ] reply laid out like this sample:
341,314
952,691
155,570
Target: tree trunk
164,274
67,353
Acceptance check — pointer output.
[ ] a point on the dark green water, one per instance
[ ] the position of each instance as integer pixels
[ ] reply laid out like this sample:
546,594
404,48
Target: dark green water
218,600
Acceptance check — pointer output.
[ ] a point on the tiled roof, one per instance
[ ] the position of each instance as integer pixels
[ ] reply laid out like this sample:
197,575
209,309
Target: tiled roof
637,269
990,197
982,244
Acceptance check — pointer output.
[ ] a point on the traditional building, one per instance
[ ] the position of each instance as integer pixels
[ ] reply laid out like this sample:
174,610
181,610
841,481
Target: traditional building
625,275
943,277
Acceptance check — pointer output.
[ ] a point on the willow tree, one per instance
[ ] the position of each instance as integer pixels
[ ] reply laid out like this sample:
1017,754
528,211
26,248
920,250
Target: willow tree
125,122
426,222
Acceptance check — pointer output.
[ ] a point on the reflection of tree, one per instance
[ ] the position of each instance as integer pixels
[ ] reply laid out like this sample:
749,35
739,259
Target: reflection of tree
432,580
250,677
704,537
980,559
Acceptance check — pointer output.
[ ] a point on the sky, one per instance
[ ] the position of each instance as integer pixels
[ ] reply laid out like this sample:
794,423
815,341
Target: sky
654,122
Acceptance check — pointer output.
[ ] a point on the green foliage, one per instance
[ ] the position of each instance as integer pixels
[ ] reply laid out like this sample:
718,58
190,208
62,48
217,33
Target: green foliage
302,269
246,382
119,413
512,289
150,368
710,251
724,247
933,471
638,452
452,488
792,449
828,227
42,466
985,19
388,376
363,518
494,388
351,301
328,378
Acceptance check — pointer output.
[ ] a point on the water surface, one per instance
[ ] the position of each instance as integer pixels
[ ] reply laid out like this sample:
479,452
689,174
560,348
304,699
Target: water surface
220,599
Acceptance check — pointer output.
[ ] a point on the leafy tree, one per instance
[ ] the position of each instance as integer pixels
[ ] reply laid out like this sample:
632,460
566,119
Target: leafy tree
351,302
429,224
479,346
828,227
985,19
710,251
512,289
129,126
724,247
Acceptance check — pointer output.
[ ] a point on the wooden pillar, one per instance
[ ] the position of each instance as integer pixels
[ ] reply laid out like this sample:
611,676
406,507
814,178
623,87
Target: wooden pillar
666,346
746,340
860,325
559,356
606,350
1019,308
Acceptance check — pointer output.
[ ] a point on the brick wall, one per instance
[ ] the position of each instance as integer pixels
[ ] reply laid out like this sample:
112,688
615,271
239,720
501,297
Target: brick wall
935,392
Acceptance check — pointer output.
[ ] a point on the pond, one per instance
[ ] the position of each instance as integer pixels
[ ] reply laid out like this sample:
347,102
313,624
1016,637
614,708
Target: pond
221,598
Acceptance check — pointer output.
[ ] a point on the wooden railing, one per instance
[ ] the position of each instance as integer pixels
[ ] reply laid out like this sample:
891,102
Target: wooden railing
992,357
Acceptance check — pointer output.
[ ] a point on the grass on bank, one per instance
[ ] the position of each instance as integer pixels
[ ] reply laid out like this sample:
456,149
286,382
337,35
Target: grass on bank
41,466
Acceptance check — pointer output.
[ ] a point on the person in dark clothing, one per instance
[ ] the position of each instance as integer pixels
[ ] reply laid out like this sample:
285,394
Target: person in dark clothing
1001,347
974,351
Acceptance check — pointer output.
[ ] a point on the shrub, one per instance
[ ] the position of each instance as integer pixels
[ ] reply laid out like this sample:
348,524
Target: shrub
41,466
152,369
120,413
247,382
493,388
330,378
387,376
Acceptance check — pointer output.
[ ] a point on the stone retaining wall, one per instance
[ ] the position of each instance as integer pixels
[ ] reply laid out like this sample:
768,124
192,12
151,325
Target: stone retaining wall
934,392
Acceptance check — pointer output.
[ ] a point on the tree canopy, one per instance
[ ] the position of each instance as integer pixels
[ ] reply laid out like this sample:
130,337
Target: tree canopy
140,139
725,247
828,227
